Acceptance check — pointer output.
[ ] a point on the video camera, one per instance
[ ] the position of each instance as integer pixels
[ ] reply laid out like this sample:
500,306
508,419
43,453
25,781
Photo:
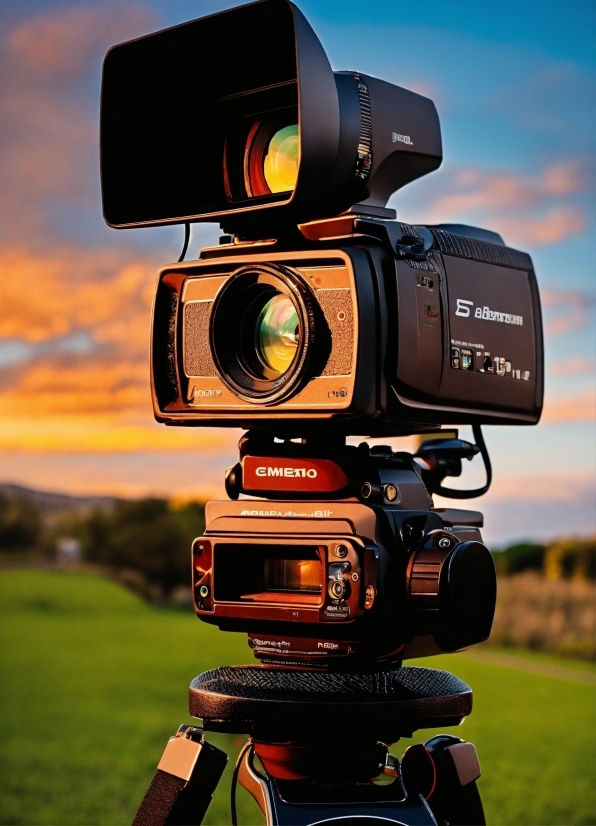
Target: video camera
318,316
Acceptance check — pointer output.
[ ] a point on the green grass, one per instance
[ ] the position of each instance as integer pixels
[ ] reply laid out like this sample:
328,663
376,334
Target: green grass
94,681
562,661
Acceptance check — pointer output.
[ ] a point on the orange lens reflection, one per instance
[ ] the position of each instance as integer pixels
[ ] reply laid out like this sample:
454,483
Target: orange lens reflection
282,160
293,575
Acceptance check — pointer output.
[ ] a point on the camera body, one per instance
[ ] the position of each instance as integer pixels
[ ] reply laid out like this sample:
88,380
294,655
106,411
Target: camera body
319,316
351,567
399,329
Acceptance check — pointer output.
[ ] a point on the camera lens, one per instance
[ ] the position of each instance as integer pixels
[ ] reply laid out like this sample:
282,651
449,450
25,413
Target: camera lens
271,156
280,166
277,334
262,329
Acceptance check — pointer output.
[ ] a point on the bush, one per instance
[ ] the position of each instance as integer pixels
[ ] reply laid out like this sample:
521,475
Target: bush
146,542
520,557
571,559
20,524
545,615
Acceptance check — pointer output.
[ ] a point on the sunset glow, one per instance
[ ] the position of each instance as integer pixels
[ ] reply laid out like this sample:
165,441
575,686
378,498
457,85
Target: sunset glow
75,296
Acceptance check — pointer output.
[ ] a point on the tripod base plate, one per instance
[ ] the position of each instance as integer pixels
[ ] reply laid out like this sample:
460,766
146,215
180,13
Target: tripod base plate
277,705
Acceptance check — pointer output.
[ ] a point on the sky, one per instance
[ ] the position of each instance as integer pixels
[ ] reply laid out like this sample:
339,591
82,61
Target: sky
515,87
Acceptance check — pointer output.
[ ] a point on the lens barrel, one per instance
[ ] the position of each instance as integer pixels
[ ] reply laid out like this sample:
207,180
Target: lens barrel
452,590
262,332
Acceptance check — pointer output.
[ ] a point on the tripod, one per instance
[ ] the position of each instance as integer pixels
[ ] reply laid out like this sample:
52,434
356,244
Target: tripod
320,729
321,740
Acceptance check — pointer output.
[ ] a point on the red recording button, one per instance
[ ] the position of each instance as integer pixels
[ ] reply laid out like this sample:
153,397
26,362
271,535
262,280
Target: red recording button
266,473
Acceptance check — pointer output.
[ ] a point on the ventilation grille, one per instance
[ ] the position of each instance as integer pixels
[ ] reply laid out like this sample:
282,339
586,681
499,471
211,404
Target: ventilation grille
473,248
364,160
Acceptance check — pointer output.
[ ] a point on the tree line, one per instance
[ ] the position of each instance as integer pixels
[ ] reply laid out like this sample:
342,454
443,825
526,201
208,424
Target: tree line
152,537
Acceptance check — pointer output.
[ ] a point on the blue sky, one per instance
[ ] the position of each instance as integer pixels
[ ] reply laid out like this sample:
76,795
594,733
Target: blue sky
514,84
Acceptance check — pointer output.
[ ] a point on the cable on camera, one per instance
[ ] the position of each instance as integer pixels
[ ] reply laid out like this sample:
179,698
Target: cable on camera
186,241
454,493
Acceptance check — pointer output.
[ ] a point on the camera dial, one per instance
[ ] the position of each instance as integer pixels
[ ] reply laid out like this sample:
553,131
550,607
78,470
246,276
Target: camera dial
452,589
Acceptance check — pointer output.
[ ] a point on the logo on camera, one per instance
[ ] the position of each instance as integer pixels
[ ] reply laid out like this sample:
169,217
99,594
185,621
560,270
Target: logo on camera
201,393
464,309
397,138
265,473
287,472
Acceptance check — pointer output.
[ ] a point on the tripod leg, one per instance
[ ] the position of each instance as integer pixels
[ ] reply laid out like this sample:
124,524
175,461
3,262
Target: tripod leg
183,785
254,783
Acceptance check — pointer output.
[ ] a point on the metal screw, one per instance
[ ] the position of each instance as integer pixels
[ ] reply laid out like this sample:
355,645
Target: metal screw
445,542
366,490
341,551
204,591
355,577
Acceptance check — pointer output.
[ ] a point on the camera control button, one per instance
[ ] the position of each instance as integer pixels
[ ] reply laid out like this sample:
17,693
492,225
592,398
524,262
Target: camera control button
337,588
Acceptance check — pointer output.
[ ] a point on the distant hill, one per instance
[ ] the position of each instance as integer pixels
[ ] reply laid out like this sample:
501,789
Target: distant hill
53,506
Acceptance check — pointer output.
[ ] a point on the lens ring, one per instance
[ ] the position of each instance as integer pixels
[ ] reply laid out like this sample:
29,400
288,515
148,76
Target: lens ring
239,356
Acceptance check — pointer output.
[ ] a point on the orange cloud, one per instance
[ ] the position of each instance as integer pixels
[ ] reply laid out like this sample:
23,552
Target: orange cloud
526,209
568,409
96,401
566,310
572,367
98,433
53,295
102,395
65,43
49,134
481,189
554,226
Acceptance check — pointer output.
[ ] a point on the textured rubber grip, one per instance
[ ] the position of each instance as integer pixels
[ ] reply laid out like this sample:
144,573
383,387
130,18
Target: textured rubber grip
159,800
183,785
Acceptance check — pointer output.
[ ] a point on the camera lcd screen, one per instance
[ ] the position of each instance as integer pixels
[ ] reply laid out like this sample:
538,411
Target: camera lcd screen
259,572
292,575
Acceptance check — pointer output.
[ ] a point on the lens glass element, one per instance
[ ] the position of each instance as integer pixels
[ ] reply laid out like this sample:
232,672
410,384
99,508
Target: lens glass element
277,333
280,166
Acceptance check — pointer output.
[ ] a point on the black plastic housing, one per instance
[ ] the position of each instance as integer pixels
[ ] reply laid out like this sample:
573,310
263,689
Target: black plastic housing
447,334
432,581
173,105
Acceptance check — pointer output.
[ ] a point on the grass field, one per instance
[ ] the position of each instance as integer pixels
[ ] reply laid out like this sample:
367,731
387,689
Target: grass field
94,681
